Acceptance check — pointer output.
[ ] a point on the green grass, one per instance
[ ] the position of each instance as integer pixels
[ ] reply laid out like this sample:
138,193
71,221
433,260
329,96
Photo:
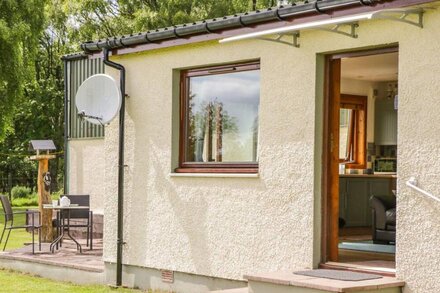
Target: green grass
17,282
31,200
11,281
25,202
18,236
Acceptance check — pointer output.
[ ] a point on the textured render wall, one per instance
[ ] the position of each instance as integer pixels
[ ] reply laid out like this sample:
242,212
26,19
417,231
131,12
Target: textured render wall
221,227
418,237
225,227
86,172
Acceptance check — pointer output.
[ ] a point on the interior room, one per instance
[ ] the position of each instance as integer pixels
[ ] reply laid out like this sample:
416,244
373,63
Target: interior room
368,160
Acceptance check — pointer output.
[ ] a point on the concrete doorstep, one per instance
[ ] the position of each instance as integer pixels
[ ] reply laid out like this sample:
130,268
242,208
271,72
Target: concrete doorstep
288,282
238,290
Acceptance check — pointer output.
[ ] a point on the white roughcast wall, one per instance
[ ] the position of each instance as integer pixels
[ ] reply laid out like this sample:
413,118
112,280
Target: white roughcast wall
227,227
86,170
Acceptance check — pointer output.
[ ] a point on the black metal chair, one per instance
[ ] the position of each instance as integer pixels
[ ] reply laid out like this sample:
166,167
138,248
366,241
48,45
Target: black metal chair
9,223
85,214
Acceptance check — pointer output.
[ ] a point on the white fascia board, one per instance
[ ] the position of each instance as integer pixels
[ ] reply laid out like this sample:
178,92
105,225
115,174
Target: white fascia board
297,27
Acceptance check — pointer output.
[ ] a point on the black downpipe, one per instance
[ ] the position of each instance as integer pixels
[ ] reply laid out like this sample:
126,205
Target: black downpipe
120,241
66,129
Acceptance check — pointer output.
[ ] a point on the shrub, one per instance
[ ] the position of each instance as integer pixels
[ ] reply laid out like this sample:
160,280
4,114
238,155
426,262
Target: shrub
57,194
20,192
30,201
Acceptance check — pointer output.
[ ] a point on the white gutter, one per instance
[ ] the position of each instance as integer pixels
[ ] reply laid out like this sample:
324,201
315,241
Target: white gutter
389,14
297,27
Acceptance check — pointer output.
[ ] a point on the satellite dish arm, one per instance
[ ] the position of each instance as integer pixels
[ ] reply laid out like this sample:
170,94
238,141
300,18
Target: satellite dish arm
120,241
82,114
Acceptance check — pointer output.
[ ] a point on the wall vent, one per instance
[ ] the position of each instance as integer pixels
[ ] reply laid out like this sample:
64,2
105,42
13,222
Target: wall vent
167,276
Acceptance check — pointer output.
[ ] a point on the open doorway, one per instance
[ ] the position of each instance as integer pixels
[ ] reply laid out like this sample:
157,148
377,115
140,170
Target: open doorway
360,155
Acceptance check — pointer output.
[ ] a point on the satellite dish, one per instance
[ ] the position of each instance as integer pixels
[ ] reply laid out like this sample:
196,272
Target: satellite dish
98,99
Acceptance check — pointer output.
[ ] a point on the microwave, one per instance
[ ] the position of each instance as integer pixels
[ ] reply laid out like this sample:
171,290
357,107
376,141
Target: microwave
385,166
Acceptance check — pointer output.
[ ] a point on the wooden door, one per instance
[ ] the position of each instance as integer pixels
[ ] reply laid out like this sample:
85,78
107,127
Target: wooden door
331,159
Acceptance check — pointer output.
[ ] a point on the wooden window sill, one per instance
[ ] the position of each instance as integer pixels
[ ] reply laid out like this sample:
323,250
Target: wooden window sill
216,175
355,166
216,169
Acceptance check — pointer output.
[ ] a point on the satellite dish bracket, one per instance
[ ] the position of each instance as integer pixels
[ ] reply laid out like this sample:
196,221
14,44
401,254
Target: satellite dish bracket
83,115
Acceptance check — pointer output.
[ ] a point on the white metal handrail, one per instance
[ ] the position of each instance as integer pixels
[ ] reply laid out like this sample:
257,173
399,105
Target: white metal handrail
412,182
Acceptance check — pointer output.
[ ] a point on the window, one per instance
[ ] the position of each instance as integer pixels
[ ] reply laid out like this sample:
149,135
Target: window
353,131
219,119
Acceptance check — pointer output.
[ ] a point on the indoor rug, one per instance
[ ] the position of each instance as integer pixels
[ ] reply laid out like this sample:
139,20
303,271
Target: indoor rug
338,275
367,246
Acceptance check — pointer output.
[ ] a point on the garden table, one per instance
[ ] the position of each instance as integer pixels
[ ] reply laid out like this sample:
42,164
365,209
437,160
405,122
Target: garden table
65,228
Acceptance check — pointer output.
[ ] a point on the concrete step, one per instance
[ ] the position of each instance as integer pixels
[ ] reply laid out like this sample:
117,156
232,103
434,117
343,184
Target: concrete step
288,282
238,290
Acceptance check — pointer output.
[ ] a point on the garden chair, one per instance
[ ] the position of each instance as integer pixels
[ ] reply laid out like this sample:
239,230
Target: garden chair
86,214
9,223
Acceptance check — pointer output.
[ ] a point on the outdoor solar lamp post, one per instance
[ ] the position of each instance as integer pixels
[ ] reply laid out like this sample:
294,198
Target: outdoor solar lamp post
42,149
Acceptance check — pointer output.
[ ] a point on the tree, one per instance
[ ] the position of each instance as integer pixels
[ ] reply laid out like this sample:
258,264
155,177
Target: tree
38,111
21,24
32,41
96,19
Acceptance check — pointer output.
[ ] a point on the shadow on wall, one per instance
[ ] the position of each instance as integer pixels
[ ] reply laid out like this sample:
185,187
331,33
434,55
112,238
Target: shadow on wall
77,185
418,234
193,203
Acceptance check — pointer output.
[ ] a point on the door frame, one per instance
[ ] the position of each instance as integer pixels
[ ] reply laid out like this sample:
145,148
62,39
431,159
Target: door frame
330,157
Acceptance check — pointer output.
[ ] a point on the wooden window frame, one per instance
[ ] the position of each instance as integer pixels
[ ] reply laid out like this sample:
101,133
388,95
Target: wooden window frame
357,133
204,167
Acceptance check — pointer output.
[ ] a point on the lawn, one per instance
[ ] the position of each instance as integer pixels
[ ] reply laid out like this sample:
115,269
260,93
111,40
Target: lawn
18,236
17,282
11,281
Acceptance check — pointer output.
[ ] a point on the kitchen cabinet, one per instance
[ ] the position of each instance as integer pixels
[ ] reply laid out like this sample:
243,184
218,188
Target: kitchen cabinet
385,122
354,198
342,197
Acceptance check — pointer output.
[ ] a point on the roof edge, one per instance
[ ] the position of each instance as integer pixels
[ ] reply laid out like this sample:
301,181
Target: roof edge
224,23
74,56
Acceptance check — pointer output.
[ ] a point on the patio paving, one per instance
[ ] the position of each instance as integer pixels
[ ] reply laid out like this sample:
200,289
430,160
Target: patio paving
67,256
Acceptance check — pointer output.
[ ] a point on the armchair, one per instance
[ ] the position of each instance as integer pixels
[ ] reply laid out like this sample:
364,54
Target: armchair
384,219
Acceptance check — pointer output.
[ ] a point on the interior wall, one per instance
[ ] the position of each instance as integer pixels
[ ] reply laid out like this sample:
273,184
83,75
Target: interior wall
362,88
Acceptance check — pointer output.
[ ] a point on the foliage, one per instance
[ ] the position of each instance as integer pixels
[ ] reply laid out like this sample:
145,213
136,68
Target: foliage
20,192
30,201
94,19
21,23
57,194
42,105
32,42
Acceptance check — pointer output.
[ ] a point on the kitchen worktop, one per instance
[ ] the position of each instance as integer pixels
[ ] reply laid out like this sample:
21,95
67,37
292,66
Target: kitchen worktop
391,176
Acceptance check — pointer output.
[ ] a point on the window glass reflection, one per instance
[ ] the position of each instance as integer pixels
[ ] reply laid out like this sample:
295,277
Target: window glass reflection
222,117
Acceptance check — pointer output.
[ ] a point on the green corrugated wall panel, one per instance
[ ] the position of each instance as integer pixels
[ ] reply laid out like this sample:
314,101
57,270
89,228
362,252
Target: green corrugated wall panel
78,71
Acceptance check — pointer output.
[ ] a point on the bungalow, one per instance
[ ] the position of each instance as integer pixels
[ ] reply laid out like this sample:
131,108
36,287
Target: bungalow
280,140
